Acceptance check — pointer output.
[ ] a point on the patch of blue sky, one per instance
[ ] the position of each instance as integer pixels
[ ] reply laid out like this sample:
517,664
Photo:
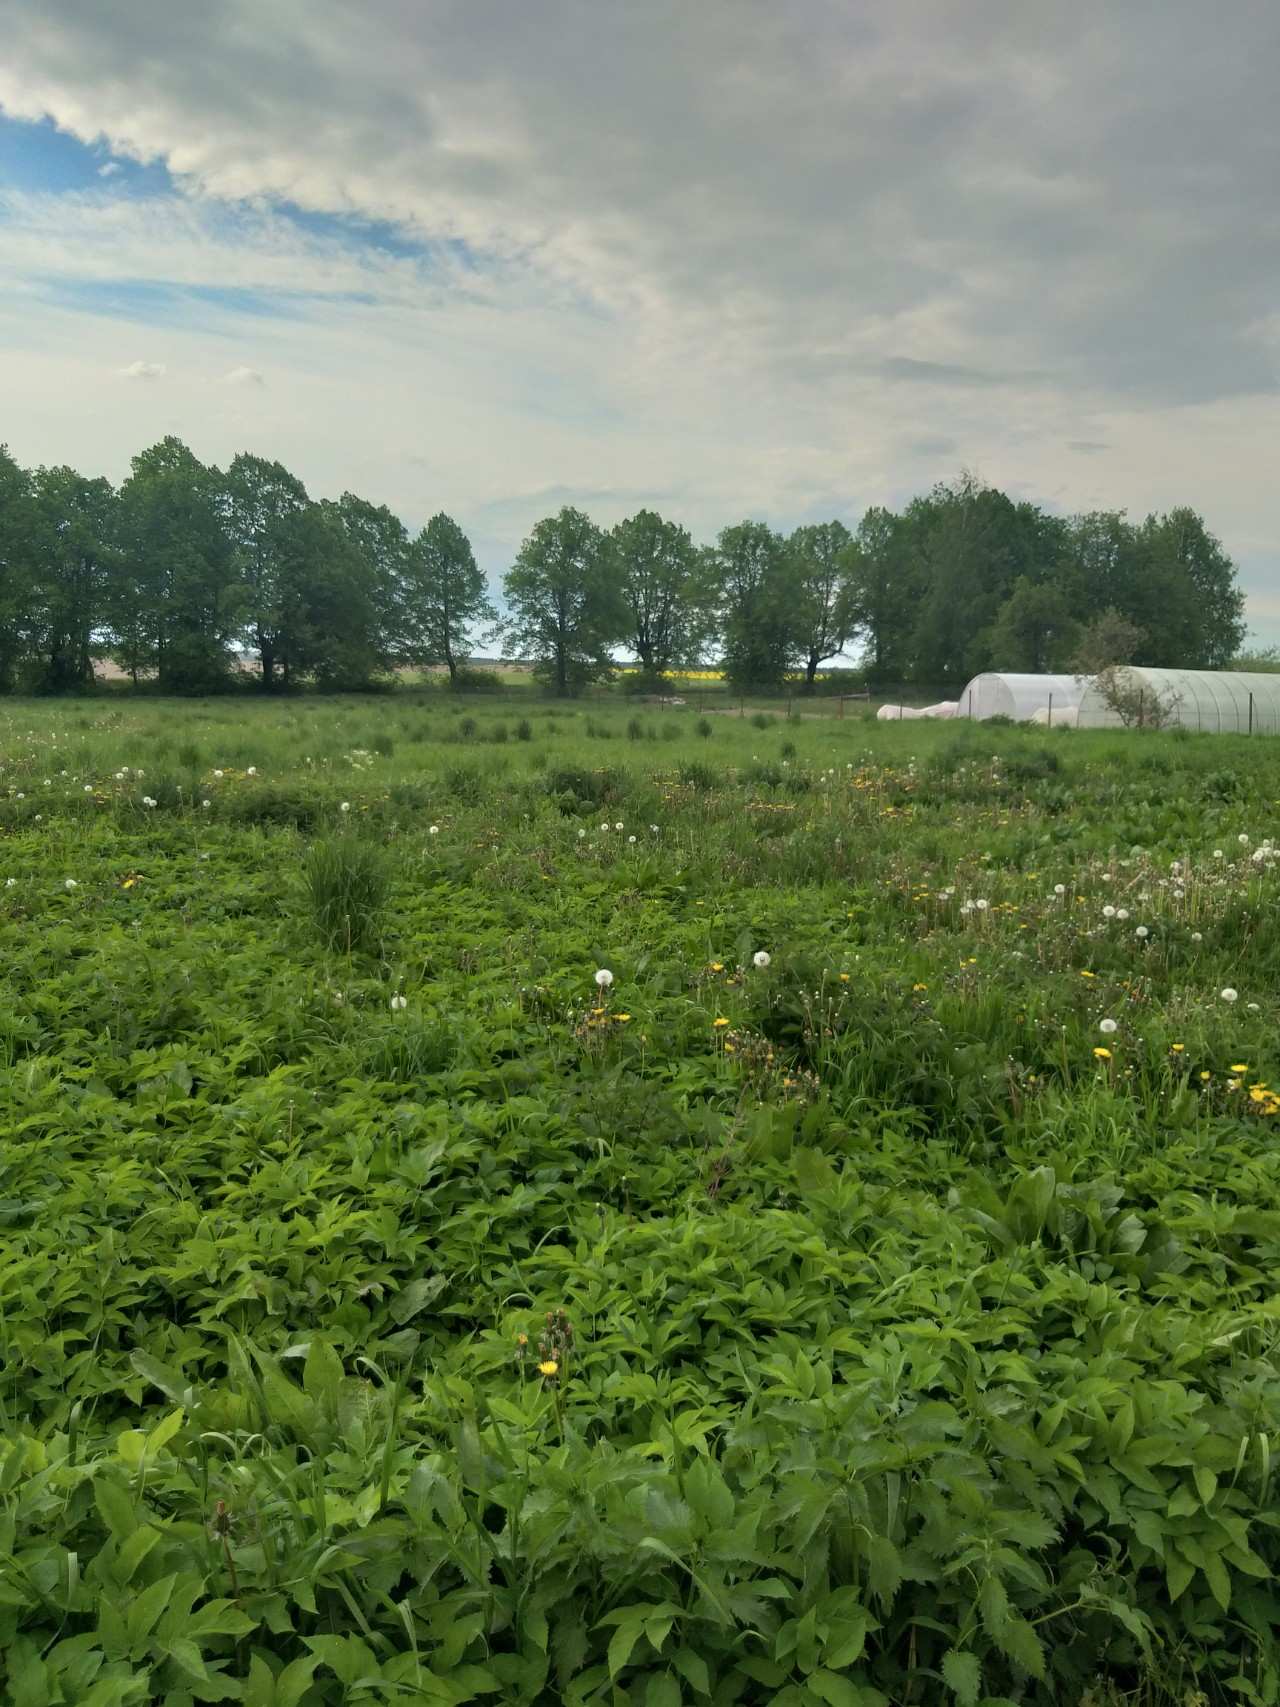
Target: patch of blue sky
159,302
358,232
38,157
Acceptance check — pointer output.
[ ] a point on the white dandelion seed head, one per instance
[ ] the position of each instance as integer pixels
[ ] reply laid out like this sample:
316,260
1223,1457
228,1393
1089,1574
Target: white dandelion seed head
1122,913
1141,930
70,883
982,905
399,1003
1108,912
631,838
1197,936
206,803
617,826
345,806
433,829
760,959
253,771
1059,888
604,978
1108,1027
1243,839
1229,995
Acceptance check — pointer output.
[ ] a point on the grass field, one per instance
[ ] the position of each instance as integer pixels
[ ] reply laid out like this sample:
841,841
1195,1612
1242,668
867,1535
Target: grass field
868,1296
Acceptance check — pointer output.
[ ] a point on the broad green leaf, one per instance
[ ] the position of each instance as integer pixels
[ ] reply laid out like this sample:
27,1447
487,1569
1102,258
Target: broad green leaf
962,1674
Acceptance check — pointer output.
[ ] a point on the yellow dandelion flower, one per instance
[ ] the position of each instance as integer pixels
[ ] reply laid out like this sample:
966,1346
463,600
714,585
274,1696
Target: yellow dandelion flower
549,1368
919,986
1103,1054
1205,1076
1177,1048
720,1022
621,1019
1239,1067
522,1339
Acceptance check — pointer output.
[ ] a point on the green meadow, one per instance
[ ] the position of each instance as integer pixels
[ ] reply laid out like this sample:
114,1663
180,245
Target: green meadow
603,1203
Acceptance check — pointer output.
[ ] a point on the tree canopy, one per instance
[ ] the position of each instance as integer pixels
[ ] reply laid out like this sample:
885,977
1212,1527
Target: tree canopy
186,570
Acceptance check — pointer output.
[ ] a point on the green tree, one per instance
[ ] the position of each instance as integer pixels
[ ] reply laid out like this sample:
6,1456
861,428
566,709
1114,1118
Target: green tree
662,587
821,558
1192,608
335,615
759,619
263,507
16,567
565,608
73,522
884,585
973,543
443,597
382,540
176,605
1034,629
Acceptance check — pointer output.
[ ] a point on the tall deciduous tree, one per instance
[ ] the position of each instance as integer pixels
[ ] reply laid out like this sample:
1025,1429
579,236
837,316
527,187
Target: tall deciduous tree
973,543
16,566
1192,583
74,521
383,542
660,580
177,604
443,597
760,633
263,507
884,587
821,560
1034,629
565,608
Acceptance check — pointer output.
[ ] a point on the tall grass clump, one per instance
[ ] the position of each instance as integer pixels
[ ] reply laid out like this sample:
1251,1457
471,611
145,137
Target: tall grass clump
348,881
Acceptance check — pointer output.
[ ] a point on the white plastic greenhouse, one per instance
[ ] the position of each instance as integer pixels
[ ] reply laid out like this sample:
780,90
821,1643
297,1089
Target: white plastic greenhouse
1025,698
1216,701
1220,702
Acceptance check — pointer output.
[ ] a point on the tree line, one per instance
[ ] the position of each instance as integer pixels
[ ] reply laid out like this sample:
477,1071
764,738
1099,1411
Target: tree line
185,567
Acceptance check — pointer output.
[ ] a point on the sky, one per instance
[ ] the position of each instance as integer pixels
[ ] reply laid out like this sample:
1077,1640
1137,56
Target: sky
726,260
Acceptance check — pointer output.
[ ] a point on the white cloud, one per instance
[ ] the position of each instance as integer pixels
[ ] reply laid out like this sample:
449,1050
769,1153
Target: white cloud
109,169
242,376
141,370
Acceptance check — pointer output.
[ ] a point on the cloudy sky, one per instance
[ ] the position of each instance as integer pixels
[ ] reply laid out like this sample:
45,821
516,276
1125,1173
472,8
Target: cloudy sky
726,259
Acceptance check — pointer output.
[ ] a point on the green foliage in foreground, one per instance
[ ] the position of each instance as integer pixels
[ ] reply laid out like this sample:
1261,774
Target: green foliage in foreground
914,1334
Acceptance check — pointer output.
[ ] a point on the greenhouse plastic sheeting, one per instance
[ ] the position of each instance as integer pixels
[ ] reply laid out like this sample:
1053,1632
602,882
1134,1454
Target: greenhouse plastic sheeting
999,693
1216,701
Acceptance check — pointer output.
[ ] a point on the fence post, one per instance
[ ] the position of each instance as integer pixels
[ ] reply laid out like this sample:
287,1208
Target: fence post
1049,724
1251,714
1142,702
971,705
